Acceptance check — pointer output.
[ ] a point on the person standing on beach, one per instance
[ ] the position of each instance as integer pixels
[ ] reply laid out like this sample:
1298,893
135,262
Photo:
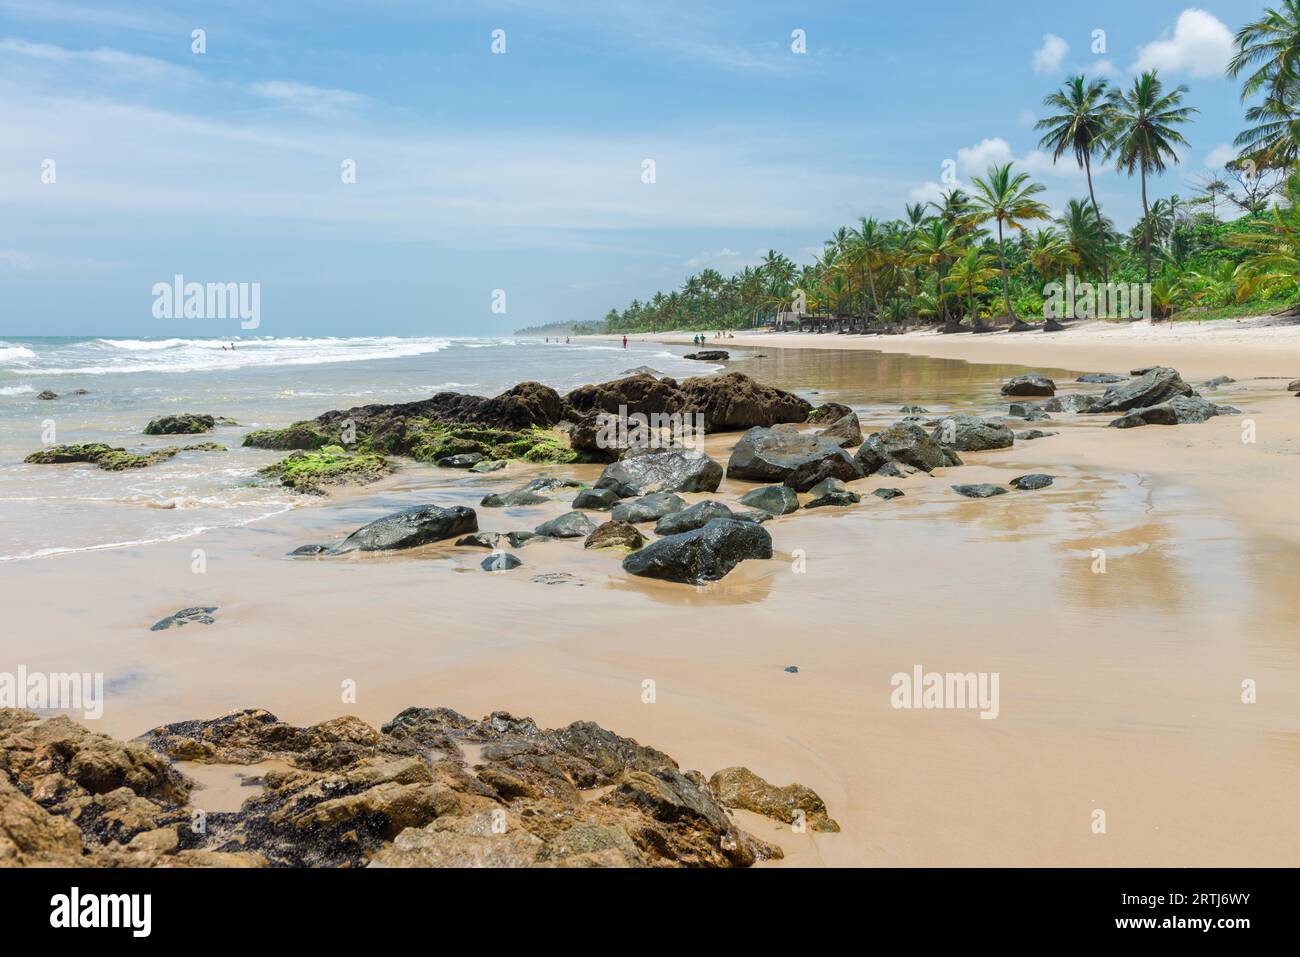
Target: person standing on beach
624,342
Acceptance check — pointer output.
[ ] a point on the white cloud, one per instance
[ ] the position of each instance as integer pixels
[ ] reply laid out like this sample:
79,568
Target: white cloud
987,152
1220,156
724,257
13,259
306,98
1101,68
1049,57
1200,45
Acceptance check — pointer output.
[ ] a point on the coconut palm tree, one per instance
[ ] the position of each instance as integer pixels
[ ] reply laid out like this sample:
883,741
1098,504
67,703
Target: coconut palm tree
1083,118
970,276
1270,48
1008,199
1272,266
1082,236
1144,135
936,247
870,239
1274,139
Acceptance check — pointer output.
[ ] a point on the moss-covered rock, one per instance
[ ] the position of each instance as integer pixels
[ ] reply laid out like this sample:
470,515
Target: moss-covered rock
300,435
189,423
316,472
428,441
111,458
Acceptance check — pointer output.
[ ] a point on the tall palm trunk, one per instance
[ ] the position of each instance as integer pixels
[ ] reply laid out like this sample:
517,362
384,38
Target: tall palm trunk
1146,218
1101,228
1006,276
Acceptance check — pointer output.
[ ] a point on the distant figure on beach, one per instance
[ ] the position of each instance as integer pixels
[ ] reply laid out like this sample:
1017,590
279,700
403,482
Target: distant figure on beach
566,340
625,342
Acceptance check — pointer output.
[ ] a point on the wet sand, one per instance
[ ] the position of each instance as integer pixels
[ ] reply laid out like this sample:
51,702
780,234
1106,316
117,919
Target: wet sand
1119,691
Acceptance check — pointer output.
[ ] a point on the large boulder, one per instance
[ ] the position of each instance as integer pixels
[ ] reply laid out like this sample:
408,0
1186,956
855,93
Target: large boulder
569,525
1152,387
1032,383
410,527
970,433
904,444
784,455
733,401
845,431
641,393
742,788
663,470
773,499
828,413
1180,410
187,423
702,555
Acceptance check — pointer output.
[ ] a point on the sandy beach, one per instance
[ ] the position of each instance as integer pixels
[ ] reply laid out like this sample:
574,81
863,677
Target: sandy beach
1119,691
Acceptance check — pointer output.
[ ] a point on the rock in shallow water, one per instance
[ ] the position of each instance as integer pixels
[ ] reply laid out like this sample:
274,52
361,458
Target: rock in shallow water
662,470
198,615
846,431
697,516
903,444
1153,386
1032,383
572,525
187,423
1101,378
970,433
782,454
615,535
500,562
983,490
409,528
1180,410
1030,483
888,493
512,499
702,555
773,499
647,508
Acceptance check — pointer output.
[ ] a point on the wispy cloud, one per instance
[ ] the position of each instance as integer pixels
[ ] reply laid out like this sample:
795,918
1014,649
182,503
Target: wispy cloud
1200,45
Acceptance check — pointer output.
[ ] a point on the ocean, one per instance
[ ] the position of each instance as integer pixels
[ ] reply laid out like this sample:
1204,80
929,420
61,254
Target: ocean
264,382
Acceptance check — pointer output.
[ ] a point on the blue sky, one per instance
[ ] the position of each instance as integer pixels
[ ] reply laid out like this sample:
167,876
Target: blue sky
519,171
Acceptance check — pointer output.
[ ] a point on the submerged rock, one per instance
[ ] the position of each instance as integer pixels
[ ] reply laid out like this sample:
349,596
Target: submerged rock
831,492
512,499
188,423
409,528
784,455
46,395
1032,383
489,465
702,555
615,535
970,433
1180,410
198,615
1033,482
903,444
1028,411
708,355
983,490
773,499
1217,381
1030,434
500,562
647,508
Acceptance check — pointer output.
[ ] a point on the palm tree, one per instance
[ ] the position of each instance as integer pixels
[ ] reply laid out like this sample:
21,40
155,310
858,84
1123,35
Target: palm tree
1144,136
871,241
1080,126
1272,265
1274,139
936,247
1083,237
1008,199
1271,46
970,276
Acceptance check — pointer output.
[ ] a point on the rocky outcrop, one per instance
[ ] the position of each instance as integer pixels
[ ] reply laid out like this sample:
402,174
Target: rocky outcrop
794,803
970,433
794,458
1151,387
903,444
733,401
702,555
113,459
315,473
197,615
646,470
708,355
348,795
1180,410
188,423
1032,383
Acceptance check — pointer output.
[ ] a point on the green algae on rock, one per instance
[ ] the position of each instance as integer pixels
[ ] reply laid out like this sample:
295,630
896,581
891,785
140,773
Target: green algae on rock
188,423
315,472
111,458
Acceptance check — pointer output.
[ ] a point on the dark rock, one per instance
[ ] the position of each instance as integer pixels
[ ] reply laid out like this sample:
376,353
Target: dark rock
791,669
914,410
663,470
500,562
1180,410
742,788
1074,402
773,499
831,492
311,550
647,508
512,499
697,516
756,515
1030,434
1101,378
409,528
479,540
828,413
1028,411
465,461
1218,381
615,535
200,615
550,484
620,489
517,539
489,465
1156,385
983,490
187,423
710,355
784,455
845,432
47,394
888,493
702,555
1031,383
970,433
903,444
570,525
638,393
1030,483
1293,385
733,401
596,499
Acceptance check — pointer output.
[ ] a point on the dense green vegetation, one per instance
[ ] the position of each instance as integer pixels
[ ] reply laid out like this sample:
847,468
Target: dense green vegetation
987,255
